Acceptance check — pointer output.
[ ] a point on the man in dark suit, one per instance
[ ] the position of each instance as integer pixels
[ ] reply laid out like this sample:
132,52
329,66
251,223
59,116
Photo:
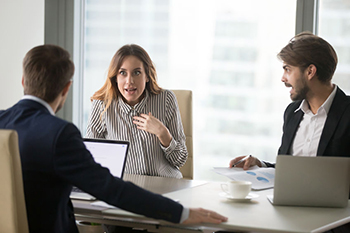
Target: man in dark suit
317,122
54,157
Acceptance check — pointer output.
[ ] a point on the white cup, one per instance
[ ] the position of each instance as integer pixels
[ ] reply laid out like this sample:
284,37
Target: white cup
237,189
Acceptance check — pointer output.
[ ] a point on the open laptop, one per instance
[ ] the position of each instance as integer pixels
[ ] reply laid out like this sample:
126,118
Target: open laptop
311,181
110,154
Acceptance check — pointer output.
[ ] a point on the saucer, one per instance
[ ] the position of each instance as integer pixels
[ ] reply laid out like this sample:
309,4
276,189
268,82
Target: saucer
248,197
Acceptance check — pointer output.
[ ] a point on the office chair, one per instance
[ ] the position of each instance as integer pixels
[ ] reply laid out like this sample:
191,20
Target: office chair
12,204
184,99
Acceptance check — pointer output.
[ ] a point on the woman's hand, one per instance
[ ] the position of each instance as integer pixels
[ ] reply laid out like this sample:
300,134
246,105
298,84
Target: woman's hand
154,126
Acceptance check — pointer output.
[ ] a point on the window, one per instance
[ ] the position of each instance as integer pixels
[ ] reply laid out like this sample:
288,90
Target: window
333,26
223,50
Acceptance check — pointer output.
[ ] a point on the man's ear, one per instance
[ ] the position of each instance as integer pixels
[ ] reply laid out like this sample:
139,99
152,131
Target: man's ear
311,71
66,88
22,81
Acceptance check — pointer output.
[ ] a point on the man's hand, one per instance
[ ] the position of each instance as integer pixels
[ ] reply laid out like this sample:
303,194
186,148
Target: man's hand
199,215
249,162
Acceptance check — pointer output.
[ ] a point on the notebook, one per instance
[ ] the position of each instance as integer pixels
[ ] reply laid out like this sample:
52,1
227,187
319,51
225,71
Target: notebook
110,154
311,181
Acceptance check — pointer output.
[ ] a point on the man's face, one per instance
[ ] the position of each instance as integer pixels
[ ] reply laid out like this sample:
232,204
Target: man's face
297,80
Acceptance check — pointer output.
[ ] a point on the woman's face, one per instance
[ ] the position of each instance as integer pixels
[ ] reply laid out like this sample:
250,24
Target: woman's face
131,80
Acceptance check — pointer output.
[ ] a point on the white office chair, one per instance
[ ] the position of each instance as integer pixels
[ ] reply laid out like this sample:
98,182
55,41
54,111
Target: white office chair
12,204
184,99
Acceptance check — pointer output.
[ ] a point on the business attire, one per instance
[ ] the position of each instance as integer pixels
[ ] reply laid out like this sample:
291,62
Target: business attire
335,135
54,158
333,139
147,156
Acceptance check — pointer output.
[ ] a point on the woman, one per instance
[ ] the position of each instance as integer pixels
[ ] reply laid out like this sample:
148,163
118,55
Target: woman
131,106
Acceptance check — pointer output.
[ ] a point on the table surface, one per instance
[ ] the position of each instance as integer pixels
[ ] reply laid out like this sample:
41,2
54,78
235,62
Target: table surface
257,214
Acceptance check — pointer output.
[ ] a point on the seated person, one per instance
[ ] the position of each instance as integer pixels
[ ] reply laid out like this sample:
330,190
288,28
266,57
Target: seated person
54,157
317,122
132,107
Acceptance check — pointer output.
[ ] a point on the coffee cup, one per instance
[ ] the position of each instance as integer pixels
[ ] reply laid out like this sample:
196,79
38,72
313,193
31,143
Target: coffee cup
237,189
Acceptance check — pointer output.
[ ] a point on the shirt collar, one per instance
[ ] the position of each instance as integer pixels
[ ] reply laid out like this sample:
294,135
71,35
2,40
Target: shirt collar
137,107
36,99
304,106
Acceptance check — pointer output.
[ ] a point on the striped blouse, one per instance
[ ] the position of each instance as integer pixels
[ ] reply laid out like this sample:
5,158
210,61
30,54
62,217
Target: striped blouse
146,154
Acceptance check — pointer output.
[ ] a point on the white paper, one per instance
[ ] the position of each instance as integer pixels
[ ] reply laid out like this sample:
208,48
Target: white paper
261,178
103,204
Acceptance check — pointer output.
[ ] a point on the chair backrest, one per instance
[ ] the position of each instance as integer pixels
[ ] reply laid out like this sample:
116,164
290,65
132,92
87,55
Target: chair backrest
12,204
184,99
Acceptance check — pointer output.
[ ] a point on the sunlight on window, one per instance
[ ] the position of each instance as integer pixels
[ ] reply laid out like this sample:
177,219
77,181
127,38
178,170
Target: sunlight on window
223,50
334,24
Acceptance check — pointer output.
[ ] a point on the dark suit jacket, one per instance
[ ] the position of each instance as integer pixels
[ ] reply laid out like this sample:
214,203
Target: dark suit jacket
335,138
54,158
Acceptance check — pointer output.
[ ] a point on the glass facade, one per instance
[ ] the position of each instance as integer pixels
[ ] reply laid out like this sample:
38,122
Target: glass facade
334,26
223,50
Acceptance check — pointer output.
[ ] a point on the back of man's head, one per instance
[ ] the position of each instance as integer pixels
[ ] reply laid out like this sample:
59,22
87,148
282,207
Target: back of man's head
46,71
305,49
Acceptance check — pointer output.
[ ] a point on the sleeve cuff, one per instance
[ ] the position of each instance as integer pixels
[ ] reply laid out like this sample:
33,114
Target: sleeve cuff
185,214
171,146
262,163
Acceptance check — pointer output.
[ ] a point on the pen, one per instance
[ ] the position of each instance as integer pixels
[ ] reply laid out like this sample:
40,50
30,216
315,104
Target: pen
242,160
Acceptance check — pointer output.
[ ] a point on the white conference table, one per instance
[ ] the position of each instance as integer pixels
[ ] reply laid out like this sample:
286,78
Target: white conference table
256,215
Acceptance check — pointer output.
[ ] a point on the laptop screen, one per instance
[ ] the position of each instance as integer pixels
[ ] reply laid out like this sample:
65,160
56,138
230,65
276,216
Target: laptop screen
109,153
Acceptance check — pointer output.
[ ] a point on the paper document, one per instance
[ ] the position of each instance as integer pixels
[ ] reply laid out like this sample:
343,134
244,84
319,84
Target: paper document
103,204
261,178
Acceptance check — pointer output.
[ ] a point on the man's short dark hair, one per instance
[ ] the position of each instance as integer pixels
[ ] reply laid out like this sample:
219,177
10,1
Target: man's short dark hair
46,71
305,49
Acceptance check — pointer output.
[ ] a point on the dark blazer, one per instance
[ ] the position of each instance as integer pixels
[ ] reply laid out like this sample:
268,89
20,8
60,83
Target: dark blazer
335,138
54,158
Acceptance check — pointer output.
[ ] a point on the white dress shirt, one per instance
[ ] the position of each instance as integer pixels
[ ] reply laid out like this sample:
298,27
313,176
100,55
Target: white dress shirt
310,128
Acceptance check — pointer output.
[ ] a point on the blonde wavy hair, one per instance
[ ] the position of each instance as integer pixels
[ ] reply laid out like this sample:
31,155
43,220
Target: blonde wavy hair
109,91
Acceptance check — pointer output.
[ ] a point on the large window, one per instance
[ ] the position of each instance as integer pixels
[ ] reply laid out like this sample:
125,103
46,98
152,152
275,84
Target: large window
225,52
334,25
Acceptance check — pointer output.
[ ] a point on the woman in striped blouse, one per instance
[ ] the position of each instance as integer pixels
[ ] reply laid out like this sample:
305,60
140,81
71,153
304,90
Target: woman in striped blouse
131,106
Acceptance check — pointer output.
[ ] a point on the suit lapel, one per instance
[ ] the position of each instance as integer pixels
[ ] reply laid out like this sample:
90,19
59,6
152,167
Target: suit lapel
335,113
291,130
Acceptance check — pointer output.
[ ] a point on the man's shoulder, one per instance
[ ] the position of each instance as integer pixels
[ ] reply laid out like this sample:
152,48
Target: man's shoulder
33,113
293,106
341,100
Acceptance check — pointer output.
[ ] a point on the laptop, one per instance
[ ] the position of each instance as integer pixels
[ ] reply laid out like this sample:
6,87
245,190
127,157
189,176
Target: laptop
311,181
110,154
